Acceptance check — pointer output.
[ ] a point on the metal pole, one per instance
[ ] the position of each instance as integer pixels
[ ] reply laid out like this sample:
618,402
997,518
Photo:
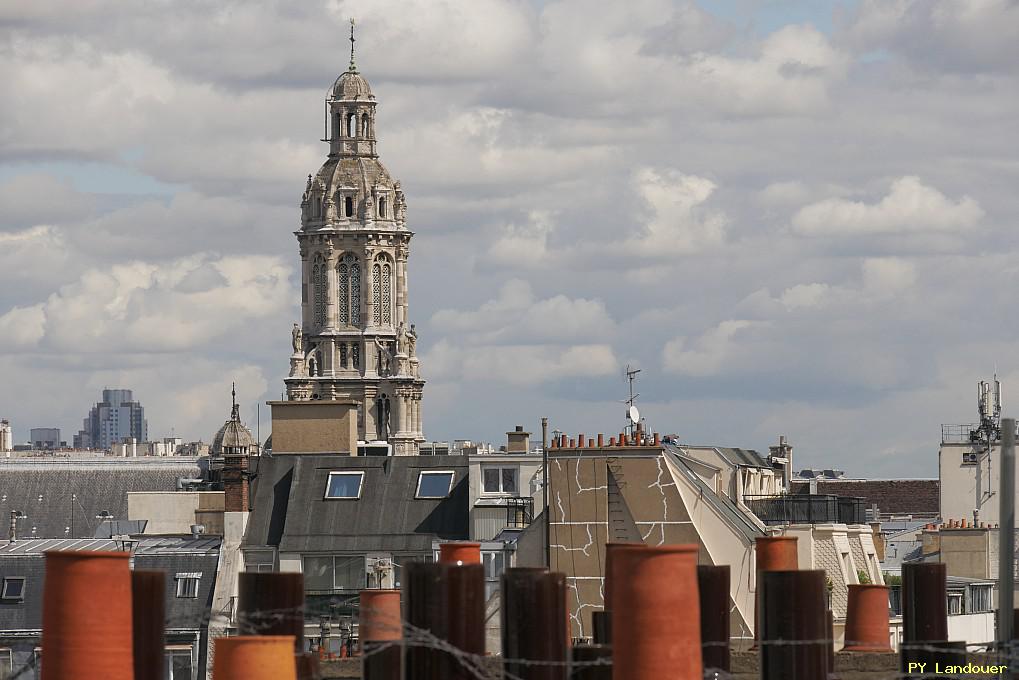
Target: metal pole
1006,535
544,471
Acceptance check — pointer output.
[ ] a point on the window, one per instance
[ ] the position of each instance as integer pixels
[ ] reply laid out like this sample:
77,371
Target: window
382,207
334,572
494,562
349,275
435,484
348,206
178,663
13,589
980,599
364,125
954,603
187,584
352,125
344,484
318,287
259,560
382,292
500,479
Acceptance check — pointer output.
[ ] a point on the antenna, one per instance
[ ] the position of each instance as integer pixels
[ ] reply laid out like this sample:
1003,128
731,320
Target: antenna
632,414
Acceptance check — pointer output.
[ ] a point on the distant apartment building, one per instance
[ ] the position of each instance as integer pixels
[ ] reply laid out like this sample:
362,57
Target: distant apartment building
6,436
113,420
45,438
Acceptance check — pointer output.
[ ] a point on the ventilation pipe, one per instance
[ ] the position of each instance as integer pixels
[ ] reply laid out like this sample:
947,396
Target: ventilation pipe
466,590
773,553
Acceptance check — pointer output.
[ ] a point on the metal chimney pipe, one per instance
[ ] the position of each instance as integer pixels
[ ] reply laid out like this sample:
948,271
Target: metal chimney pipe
591,662
467,616
924,602
1006,534
713,587
271,603
148,621
793,609
533,612
426,593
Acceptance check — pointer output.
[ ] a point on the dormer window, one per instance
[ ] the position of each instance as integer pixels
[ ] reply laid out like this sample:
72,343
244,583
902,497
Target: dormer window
348,206
382,206
435,484
345,485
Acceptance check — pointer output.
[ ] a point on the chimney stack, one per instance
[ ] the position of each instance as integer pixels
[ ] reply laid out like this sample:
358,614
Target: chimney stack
518,441
235,483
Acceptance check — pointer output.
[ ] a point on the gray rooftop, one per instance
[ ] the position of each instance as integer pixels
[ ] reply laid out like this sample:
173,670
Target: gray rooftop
61,497
171,554
290,510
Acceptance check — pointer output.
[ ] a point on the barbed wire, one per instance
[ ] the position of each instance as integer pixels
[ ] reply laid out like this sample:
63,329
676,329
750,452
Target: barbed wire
485,667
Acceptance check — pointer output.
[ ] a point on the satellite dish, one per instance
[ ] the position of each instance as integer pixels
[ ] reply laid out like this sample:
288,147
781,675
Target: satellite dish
634,414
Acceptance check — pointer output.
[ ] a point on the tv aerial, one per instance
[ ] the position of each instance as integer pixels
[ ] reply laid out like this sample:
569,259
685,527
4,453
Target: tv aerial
632,414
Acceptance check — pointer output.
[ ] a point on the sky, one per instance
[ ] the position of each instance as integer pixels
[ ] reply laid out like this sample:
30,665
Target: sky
796,218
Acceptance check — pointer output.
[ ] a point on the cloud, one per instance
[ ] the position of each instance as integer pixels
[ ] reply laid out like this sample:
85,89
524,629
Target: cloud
707,354
523,246
144,308
520,365
940,35
679,224
909,207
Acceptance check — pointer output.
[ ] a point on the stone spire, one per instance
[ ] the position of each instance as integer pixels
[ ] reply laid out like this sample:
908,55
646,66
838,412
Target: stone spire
357,342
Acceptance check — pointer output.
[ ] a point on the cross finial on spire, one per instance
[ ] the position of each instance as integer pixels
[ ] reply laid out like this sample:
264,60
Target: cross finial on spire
235,412
353,67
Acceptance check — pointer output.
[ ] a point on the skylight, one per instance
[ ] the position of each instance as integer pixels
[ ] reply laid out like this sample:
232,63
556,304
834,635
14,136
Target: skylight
13,589
435,484
344,484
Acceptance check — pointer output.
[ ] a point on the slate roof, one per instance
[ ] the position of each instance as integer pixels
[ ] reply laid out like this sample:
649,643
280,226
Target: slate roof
919,497
291,513
43,489
171,554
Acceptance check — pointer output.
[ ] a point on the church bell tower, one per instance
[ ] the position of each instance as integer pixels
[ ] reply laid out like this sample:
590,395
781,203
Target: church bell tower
355,341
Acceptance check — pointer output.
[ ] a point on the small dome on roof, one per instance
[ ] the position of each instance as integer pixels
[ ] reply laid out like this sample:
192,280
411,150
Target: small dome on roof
351,85
233,435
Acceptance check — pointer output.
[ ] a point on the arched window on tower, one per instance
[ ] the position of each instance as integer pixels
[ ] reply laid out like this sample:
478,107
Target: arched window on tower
348,206
377,294
364,125
337,132
349,276
318,285
352,125
382,291
382,207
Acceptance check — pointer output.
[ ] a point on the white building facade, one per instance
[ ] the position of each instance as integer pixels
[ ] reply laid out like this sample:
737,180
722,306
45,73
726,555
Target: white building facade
355,340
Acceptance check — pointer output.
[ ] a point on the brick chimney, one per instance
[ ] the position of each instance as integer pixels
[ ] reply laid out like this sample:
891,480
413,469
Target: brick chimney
235,483
518,441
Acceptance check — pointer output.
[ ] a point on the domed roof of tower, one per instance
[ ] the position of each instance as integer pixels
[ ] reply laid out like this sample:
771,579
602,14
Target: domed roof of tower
351,85
233,434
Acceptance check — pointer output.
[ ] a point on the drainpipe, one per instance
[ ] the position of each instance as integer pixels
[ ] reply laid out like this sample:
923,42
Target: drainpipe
544,462
1006,534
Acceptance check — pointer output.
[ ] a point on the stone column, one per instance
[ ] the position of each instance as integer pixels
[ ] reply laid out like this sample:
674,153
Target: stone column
305,286
368,407
331,289
401,286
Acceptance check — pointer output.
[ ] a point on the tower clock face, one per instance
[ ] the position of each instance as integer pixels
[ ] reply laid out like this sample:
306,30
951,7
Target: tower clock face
355,340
